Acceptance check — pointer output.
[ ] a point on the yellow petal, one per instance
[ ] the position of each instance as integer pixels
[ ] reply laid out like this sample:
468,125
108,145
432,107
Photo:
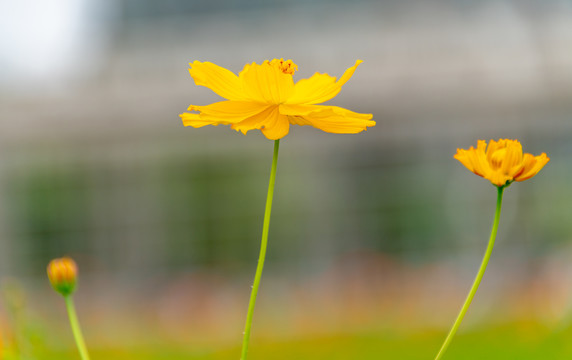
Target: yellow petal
491,149
482,167
273,125
513,156
223,112
532,165
218,79
276,126
466,158
332,119
266,83
474,159
195,120
253,122
320,87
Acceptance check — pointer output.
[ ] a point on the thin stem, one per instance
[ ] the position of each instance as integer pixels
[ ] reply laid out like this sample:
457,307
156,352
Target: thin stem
478,278
75,328
262,255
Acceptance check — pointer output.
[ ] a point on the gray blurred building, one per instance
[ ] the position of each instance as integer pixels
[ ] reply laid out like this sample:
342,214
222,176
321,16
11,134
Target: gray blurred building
94,161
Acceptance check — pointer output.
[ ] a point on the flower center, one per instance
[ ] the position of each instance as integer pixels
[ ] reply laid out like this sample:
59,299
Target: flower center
286,66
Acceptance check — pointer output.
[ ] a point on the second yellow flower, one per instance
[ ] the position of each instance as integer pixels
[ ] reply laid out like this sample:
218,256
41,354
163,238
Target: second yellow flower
502,162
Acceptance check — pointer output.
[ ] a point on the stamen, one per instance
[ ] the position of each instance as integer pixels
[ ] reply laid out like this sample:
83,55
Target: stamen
286,66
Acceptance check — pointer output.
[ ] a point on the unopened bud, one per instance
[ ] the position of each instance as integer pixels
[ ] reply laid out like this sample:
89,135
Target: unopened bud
62,273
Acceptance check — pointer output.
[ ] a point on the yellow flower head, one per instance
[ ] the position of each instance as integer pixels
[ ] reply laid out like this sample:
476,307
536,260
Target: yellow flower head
502,162
265,97
63,275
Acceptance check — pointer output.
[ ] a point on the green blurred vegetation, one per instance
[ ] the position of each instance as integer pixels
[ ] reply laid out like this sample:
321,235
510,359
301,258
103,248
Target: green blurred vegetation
31,331
517,340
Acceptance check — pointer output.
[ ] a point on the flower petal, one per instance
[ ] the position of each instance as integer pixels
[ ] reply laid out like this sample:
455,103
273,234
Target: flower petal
332,119
513,157
266,83
482,167
273,125
276,126
466,157
492,147
532,165
223,112
195,120
475,159
253,122
218,79
320,87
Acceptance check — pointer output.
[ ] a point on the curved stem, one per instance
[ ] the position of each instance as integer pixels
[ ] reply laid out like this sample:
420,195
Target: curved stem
262,254
75,328
478,278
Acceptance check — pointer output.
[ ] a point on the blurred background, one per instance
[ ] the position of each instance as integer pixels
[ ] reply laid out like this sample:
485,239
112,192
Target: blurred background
375,237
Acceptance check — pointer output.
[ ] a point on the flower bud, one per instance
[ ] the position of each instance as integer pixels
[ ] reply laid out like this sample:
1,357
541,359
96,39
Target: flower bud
62,273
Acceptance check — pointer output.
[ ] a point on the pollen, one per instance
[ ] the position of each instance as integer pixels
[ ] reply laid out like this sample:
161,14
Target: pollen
286,66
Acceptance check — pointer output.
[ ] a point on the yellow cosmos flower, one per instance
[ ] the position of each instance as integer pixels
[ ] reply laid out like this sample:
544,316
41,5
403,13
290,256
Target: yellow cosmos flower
502,162
265,97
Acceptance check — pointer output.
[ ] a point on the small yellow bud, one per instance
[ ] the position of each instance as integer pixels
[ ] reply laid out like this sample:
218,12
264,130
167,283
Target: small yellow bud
62,273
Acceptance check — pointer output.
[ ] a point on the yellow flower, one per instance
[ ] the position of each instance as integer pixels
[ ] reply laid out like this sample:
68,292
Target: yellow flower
265,97
502,162
63,275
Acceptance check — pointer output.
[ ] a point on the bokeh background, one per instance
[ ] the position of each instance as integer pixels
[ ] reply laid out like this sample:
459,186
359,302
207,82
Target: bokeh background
375,237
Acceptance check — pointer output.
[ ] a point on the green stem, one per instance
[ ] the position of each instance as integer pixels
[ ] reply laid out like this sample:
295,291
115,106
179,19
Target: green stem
75,328
262,255
478,278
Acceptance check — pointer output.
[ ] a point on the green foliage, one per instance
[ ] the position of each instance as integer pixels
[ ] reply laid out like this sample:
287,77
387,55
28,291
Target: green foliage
518,340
